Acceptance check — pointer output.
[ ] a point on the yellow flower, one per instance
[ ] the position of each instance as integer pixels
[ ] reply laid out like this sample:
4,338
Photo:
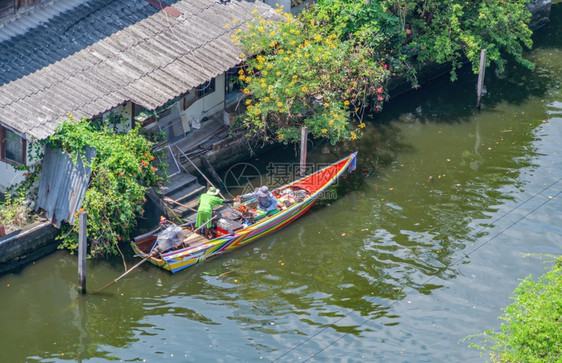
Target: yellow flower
261,29
326,104
248,102
346,102
281,110
362,125
250,108
246,91
264,73
273,44
234,21
266,99
280,51
242,55
304,89
331,123
279,104
277,73
272,33
293,42
353,136
280,136
287,90
295,76
263,85
241,72
324,131
226,25
318,37
255,11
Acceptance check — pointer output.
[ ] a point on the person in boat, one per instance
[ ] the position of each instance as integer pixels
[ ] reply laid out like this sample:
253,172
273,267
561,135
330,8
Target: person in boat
266,200
207,202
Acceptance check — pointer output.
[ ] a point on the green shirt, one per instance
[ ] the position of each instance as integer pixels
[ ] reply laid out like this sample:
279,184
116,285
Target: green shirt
205,210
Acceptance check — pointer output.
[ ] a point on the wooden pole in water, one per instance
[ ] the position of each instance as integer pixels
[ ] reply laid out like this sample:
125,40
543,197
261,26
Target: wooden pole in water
82,248
304,136
481,73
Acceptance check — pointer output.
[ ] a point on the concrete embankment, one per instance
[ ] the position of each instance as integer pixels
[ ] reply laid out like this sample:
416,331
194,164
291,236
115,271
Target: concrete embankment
26,245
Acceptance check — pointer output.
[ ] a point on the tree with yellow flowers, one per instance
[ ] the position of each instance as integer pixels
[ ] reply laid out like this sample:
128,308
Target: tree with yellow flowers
302,75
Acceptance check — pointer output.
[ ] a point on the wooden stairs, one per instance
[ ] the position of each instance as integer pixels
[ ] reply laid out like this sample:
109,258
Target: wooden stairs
179,198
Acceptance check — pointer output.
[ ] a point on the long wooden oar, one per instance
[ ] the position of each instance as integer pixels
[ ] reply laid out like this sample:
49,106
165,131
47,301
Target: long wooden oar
120,277
144,260
180,204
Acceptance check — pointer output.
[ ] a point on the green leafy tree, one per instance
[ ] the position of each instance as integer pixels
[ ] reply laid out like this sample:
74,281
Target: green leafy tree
303,74
454,31
327,67
533,322
122,170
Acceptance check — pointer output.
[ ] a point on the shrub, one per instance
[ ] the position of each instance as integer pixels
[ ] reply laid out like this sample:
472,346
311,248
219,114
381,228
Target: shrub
533,328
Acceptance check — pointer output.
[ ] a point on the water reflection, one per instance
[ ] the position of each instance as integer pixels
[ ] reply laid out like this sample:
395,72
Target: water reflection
433,182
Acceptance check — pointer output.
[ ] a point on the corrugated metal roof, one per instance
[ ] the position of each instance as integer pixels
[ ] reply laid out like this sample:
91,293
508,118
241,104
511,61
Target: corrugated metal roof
101,54
63,185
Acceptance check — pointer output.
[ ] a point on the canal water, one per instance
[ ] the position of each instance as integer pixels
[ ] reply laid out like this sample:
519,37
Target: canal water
419,247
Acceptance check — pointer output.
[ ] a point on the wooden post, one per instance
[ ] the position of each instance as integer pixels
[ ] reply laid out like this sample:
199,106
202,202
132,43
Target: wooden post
82,244
481,73
304,136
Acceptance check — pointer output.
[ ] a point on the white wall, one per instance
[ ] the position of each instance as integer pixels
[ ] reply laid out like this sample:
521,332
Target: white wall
9,175
208,105
286,4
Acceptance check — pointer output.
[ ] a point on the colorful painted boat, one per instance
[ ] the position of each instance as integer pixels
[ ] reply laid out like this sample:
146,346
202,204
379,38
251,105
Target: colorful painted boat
197,248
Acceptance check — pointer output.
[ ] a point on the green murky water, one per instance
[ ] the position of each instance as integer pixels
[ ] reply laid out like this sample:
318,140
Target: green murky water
423,246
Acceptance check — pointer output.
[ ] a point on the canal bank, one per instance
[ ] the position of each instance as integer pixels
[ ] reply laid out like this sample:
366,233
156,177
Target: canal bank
399,268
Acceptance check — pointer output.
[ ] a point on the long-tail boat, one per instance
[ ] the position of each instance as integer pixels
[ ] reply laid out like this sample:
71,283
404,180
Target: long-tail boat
294,200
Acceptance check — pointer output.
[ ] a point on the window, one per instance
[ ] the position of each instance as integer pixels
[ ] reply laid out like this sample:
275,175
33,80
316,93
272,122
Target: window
198,92
12,147
142,115
206,88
